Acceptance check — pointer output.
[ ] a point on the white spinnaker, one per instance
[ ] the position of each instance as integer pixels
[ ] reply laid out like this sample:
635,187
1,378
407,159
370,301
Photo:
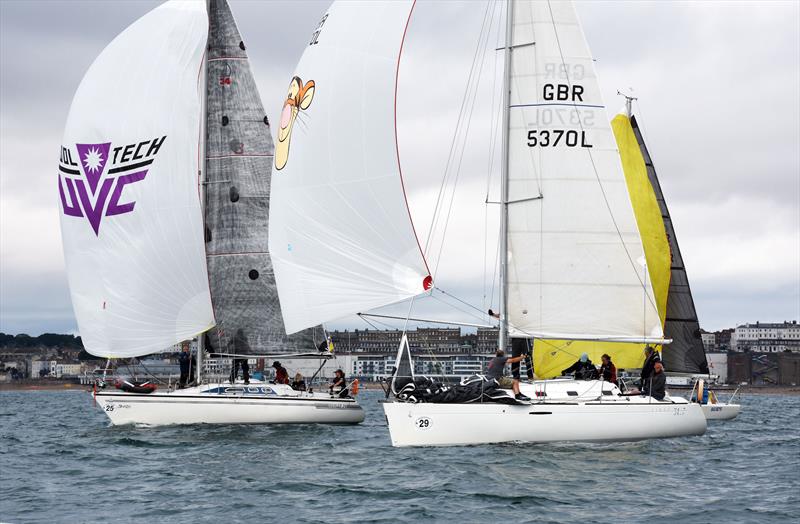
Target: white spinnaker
575,269
138,276
341,238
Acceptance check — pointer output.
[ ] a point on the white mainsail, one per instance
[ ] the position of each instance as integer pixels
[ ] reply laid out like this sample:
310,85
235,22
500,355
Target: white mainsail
575,253
131,220
340,234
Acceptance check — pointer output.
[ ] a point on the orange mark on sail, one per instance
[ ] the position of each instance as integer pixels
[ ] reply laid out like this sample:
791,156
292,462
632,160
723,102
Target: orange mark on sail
299,97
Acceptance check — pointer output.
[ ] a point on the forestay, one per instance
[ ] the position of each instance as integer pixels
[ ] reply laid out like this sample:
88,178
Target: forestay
131,222
576,262
341,238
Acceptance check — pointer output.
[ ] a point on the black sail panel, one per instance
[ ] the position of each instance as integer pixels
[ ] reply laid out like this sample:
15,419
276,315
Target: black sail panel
686,353
239,152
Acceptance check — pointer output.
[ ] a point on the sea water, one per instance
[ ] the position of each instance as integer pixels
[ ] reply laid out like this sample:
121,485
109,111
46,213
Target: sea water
61,461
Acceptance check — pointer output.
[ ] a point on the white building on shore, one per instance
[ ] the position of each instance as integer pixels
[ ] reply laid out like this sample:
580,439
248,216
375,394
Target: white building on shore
764,337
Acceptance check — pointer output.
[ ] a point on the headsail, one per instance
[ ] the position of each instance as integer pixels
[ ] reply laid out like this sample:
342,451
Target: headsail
341,237
576,261
685,353
131,222
239,153
552,356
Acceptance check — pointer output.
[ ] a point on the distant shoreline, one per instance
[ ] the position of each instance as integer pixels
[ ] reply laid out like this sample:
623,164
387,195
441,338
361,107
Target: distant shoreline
64,385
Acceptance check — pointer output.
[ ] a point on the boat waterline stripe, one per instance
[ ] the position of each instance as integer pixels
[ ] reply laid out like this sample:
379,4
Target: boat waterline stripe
557,104
210,396
243,403
68,171
129,167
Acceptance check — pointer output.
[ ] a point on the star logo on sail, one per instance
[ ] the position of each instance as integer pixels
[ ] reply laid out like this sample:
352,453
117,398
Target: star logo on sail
89,190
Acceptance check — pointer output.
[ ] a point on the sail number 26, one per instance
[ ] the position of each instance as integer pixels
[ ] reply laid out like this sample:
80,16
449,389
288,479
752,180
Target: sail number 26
554,137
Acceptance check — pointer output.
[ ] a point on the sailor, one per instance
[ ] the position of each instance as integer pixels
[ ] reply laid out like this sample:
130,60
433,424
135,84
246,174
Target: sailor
583,368
298,384
339,384
521,346
651,357
608,371
656,385
494,370
185,362
281,375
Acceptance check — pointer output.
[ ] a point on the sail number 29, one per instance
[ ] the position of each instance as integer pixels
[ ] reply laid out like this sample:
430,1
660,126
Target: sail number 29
554,137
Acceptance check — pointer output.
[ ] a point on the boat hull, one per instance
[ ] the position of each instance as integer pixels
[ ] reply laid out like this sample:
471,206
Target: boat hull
248,405
464,424
721,411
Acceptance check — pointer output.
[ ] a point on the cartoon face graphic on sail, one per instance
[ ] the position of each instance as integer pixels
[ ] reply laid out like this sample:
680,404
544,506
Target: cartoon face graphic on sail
299,97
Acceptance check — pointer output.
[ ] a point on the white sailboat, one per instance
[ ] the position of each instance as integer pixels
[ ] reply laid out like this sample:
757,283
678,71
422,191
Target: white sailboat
164,185
570,247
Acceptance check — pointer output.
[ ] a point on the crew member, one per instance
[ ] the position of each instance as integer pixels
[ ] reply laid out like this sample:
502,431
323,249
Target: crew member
651,357
583,368
185,362
494,370
281,375
608,371
298,384
339,384
656,386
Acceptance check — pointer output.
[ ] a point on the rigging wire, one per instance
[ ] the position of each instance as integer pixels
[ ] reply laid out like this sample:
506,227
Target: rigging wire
464,144
434,218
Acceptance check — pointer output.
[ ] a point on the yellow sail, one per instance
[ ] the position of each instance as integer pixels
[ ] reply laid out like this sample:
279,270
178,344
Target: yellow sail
552,356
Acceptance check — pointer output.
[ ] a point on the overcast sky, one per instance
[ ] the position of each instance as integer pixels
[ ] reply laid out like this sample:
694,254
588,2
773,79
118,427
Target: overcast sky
719,100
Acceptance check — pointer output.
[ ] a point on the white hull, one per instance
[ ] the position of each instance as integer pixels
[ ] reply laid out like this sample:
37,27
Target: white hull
604,418
225,404
721,411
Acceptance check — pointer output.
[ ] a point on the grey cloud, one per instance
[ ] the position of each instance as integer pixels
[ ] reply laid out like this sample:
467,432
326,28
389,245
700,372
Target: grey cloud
719,86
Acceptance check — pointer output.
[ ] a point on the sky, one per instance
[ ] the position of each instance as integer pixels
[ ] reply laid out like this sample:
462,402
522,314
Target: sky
718,87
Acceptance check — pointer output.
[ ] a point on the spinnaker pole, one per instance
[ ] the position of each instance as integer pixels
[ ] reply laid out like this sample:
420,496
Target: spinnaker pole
503,335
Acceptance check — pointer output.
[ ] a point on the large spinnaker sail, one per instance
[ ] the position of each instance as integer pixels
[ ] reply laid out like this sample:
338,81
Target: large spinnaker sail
576,261
341,238
131,222
552,356
239,153
686,353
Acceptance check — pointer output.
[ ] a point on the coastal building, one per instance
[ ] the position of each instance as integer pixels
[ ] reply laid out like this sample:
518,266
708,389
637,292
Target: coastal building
709,341
763,337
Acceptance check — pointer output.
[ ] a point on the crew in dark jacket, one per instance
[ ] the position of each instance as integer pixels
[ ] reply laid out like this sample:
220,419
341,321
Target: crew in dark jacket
651,357
608,371
656,385
583,368
185,362
339,384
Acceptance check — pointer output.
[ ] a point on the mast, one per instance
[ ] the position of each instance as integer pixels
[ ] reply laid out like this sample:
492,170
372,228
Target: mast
201,178
503,335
